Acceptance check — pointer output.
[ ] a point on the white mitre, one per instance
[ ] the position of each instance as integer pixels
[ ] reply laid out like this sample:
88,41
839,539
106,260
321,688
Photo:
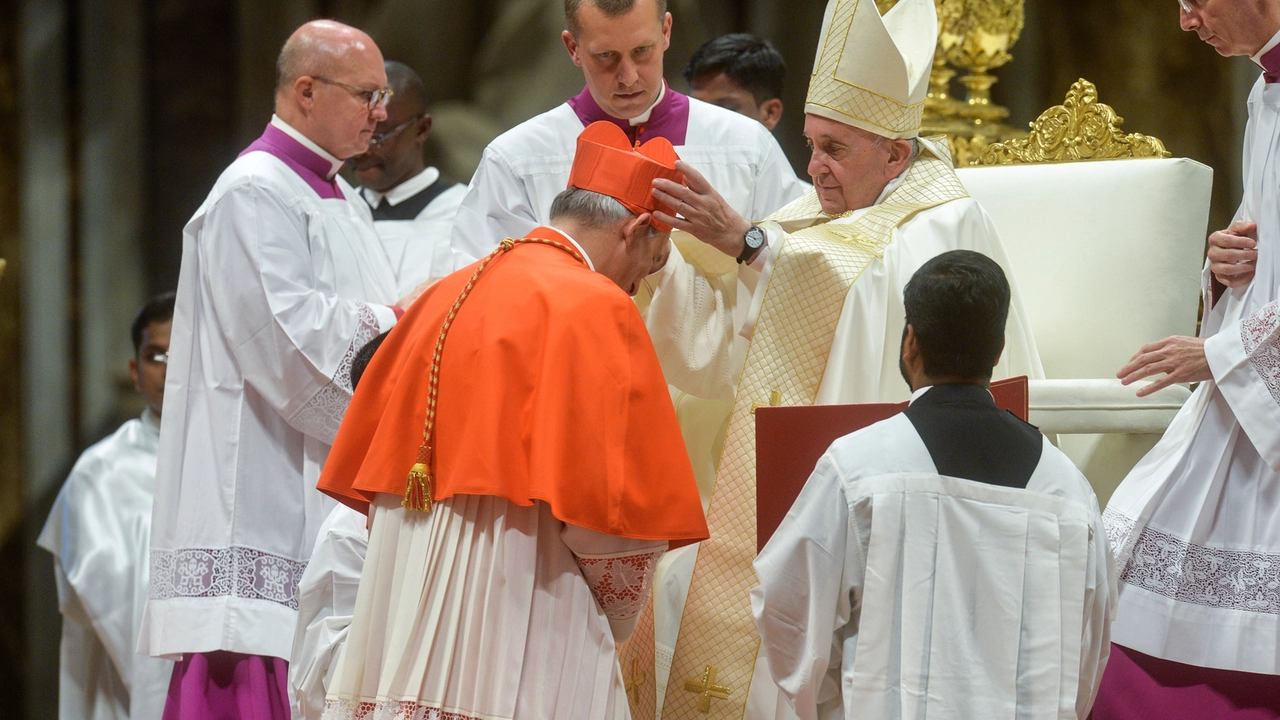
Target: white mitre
873,72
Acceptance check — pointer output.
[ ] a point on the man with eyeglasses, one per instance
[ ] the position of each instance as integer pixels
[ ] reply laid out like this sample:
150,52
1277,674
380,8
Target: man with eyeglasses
98,533
282,282
1195,526
412,206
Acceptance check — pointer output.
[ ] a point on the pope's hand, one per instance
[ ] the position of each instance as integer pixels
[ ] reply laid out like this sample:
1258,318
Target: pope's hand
1233,254
1180,358
705,215
409,299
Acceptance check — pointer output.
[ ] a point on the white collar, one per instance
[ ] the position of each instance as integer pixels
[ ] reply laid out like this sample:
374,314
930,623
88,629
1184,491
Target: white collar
893,185
644,116
151,420
1274,41
404,190
916,395
565,235
292,132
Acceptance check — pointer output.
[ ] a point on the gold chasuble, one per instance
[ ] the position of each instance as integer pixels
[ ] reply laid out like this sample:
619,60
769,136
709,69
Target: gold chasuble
818,263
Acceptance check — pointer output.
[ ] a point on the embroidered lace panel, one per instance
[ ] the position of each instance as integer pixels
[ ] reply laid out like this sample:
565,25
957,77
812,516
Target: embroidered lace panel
388,710
1261,341
322,414
1119,528
620,584
225,572
1194,574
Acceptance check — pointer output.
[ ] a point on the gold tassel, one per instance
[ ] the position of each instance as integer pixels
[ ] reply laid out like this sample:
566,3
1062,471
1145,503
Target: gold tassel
417,492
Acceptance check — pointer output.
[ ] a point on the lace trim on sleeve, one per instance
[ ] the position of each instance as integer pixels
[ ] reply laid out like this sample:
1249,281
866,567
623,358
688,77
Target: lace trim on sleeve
1259,333
389,710
620,584
225,572
322,414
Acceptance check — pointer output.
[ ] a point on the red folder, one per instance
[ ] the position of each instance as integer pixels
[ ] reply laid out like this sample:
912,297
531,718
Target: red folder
790,439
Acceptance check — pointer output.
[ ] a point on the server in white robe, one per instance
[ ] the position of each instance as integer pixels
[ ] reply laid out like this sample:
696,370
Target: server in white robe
948,562
801,309
326,605
1196,523
411,206
327,590
621,58
98,533
282,282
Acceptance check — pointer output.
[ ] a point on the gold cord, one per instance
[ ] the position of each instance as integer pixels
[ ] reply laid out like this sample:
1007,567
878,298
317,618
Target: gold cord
417,492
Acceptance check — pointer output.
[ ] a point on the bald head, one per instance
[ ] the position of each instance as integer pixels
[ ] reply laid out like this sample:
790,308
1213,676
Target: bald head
326,75
319,48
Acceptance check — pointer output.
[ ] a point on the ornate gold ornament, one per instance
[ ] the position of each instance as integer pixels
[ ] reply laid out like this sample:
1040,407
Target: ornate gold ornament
1081,128
974,36
707,689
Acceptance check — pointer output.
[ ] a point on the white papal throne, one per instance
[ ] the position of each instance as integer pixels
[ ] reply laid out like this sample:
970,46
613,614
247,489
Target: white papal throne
1106,237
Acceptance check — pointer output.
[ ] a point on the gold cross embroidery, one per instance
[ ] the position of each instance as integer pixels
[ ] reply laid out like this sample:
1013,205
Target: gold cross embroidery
707,689
775,399
634,684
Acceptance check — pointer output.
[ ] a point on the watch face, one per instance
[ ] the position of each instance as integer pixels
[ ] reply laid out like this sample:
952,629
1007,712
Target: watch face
755,237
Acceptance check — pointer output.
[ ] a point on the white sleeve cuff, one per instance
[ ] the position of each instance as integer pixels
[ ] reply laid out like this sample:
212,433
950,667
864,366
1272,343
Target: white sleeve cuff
385,315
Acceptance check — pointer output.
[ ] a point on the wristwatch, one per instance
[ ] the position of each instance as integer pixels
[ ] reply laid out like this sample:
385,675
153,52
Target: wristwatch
753,241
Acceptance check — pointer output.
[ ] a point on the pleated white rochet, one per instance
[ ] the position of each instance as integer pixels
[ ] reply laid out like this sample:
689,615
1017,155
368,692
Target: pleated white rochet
478,609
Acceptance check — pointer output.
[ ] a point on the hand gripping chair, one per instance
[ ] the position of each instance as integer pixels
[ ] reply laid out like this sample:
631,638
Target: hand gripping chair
1106,236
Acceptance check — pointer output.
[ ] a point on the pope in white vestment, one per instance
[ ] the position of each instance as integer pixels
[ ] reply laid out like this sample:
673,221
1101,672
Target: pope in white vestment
98,532
1196,524
814,317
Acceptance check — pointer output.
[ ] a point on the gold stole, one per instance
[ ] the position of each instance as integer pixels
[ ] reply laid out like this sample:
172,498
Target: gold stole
818,263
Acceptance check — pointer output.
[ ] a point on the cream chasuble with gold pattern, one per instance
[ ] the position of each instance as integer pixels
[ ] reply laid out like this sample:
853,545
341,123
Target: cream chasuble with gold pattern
821,323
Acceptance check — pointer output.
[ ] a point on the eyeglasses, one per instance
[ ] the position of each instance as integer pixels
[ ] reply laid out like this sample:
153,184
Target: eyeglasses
1189,5
161,358
371,98
380,137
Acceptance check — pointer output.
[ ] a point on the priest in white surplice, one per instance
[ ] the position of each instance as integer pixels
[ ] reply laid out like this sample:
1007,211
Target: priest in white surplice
98,532
620,52
803,309
282,282
1196,524
947,563
412,207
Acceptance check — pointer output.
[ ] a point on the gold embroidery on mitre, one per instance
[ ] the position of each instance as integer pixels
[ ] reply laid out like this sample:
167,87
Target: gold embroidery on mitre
707,689
815,269
849,102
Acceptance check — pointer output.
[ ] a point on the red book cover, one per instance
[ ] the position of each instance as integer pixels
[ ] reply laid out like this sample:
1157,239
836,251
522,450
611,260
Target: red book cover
790,439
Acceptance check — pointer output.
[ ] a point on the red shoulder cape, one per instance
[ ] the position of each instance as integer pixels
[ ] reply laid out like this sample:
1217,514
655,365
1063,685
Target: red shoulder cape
550,390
